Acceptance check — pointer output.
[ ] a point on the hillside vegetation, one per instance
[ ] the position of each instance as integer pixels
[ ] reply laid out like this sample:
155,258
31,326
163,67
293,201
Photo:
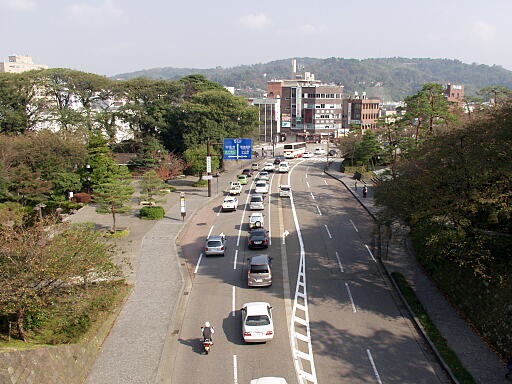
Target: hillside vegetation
388,78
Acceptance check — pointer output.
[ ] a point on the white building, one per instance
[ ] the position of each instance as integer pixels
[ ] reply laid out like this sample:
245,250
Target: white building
19,64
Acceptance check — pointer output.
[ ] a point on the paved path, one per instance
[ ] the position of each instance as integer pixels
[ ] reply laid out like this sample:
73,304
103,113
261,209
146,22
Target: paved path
131,353
474,354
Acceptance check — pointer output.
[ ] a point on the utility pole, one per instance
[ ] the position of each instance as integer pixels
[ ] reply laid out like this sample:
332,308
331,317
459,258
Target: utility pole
209,167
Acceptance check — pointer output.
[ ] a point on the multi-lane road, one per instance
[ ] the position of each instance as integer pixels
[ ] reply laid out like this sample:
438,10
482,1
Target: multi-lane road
336,318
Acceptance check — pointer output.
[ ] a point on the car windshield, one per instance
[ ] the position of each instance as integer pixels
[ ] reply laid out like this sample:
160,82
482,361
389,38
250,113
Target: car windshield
261,184
259,268
257,320
256,199
214,243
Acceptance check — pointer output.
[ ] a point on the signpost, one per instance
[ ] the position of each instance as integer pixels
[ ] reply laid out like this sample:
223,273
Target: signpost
208,164
183,208
237,149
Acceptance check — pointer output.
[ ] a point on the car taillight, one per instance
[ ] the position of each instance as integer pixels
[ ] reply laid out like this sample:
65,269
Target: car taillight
221,248
247,333
269,333
206,249
250,241
265,241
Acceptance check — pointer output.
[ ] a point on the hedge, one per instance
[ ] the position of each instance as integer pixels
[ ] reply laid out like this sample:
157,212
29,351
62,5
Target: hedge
152,213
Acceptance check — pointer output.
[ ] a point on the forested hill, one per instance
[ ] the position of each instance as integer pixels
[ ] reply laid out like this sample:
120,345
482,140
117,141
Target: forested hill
388,78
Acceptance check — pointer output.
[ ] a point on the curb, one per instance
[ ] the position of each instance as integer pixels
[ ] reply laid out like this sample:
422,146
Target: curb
412,316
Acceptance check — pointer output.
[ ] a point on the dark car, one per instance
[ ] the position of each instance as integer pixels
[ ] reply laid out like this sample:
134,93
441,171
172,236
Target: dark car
277,161
332,152
247,172
258,238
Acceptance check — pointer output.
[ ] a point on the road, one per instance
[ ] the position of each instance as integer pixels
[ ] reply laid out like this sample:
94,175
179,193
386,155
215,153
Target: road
336,319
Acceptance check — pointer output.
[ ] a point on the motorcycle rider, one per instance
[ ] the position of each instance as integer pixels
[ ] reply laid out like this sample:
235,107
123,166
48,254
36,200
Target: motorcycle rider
207,331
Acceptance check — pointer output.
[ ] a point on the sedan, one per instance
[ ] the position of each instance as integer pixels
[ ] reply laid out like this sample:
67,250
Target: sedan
263,175
261,187
268,167
319,151
258,238
247,172
230,203
307,154
215,245
257,324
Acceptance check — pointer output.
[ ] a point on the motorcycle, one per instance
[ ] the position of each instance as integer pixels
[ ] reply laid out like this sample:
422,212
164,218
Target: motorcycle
207,344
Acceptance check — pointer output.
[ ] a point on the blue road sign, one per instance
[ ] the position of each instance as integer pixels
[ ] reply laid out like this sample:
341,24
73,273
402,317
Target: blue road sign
237,149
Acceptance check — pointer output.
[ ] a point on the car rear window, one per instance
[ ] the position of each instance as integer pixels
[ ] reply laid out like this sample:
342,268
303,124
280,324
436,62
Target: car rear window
214,243
259,268
256,199
261,184
285,188
257,320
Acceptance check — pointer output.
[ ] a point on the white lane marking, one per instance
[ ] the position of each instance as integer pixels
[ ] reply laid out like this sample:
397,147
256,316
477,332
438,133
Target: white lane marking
198,262
318,209
325,182
235,370
220,210
313,196
285,233
350,296
233,303
339,262
328,232
209,233
268,220
374,366
243,213
296,319
234,261
308,184
370,252
354,226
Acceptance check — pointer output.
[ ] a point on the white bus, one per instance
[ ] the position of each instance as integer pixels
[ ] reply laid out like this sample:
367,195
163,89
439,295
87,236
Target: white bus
293,150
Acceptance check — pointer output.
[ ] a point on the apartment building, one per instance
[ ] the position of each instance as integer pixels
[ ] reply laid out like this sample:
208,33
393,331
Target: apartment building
270,118
310,109
454,93
361,111
19,64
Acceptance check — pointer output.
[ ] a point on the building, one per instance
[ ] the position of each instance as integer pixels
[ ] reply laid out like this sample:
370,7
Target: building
310,109
361,111
454,93
19,64
270,118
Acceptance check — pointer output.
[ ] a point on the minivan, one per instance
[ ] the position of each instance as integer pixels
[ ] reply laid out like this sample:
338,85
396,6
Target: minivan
259,273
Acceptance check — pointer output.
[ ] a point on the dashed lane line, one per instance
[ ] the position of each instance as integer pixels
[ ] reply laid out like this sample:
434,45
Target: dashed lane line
198,262
328,232
370,252
377,376
354,226
351,298
339,262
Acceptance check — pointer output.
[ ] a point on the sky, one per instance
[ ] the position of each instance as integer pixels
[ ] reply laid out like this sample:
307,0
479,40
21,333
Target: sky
109,37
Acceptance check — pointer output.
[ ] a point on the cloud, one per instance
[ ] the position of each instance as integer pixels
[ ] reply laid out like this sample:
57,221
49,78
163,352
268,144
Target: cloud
484,31
312,29
87,13
19,5
259,21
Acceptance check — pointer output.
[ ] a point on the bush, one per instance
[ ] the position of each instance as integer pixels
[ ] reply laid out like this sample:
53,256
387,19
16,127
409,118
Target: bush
200,183
119,234
152,213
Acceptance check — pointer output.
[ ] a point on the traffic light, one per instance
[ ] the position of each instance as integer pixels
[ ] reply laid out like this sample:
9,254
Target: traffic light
283,136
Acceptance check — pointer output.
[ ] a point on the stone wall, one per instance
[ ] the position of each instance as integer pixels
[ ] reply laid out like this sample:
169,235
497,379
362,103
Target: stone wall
63,364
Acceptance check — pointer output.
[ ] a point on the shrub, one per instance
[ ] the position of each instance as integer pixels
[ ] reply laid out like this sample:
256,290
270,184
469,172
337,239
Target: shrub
152,213
119,234
200,183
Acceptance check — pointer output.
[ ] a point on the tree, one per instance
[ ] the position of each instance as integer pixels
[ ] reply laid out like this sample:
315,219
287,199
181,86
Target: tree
496,94
151,184
368,148
114,193
195,158
103,168
36,263
427,110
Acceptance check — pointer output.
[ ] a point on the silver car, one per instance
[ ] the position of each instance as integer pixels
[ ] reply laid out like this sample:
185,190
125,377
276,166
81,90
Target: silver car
256,202
263,175
215,245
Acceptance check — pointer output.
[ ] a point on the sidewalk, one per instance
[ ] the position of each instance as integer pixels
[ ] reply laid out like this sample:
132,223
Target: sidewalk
131,353
475,355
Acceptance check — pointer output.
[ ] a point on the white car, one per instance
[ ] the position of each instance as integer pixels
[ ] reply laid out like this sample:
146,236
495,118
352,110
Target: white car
257,324
285,190
230,203
269,167
256,202
269,380
307,155
284,167
320,151
263,175
256,220
261,187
